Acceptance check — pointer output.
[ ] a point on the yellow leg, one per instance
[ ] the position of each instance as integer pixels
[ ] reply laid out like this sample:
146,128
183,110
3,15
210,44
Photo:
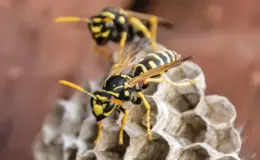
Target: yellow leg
101,51
122,126
140,26
122,43
148,108
99,123
159,80
153,21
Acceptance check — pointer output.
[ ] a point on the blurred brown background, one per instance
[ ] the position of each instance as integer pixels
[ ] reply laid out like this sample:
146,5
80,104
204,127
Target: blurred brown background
35,53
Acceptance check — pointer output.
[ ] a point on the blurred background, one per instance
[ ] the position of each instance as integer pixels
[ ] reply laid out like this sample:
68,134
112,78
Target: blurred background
35,53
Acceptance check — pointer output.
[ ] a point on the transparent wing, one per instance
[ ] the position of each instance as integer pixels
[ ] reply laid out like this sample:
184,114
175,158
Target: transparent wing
156,71
161,21
125,61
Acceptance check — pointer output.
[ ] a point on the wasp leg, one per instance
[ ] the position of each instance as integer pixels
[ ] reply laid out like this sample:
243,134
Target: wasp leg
154,22
159,80
101,51
139,25
148,108
123,121
122,43
99,123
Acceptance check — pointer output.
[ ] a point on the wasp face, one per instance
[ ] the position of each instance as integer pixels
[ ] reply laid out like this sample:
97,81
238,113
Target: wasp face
100,28
100,107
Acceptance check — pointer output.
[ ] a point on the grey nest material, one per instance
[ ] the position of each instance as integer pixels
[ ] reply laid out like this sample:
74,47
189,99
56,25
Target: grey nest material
186,124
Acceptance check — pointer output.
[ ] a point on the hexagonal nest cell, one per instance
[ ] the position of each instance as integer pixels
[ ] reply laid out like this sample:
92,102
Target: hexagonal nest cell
229,140
187,70
185,102
193,129
220,110
156,149
195,153
186,124
121,149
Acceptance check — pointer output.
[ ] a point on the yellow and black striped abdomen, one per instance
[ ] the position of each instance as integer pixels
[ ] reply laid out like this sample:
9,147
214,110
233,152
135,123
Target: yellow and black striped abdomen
154,60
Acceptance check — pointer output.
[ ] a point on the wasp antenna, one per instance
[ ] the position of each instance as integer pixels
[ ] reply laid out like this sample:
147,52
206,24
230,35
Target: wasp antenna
72,85
71,19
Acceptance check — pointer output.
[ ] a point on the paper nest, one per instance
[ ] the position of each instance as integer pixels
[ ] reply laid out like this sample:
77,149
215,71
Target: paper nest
186,124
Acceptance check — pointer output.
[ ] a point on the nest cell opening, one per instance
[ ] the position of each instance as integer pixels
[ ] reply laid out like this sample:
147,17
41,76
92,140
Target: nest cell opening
187,70
229,141
157,149
220,110
90,156
195,153
194,129
72,153
185,102
121,149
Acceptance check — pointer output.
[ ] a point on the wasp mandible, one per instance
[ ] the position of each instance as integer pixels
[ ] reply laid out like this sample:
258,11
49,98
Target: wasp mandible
119,87
120,26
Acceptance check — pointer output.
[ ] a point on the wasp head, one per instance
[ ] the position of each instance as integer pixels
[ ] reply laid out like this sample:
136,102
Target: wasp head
102,105
101,26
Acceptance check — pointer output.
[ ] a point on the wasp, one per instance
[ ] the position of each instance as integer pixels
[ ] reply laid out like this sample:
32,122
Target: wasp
120,87
119,26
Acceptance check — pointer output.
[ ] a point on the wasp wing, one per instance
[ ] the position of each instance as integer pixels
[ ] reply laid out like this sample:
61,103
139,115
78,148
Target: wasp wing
161,21
156,71
121,64
125,61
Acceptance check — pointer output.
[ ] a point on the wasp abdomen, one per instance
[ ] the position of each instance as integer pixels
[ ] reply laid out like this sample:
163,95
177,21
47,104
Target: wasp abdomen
154,60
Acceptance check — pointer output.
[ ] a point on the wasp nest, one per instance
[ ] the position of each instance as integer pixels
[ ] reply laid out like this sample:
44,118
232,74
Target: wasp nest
186,124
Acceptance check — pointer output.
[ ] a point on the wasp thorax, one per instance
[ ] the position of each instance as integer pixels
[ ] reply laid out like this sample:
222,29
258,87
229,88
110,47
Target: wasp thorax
117,87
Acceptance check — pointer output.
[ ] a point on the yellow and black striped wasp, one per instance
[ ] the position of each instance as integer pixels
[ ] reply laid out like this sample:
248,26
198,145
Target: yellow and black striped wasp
120,26
121,87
